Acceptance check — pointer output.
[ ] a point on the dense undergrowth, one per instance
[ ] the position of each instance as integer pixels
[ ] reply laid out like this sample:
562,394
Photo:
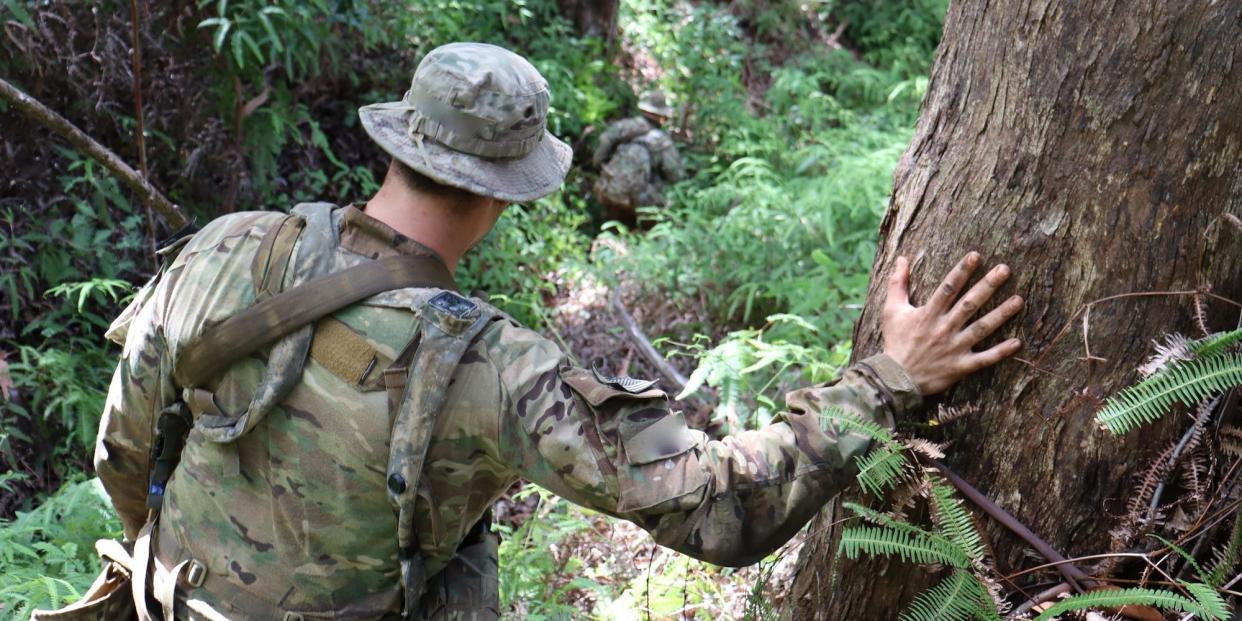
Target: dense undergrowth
791,128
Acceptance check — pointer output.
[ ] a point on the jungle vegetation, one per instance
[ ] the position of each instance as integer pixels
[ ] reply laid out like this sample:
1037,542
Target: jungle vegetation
792,118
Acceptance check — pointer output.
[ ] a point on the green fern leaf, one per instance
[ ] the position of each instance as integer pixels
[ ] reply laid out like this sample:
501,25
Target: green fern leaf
854,422
1212,605
1185,382
875,517
1207,603
985,609
1229,556
950,600
1185,555
1216,343
876,541
955,521
881,468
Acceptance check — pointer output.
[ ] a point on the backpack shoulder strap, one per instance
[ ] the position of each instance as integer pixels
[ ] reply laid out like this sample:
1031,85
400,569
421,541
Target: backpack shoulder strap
448,324
281,314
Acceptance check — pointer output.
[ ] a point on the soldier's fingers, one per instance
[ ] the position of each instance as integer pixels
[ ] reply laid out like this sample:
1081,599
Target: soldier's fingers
952,284
978,295
898,286
989,357
989,323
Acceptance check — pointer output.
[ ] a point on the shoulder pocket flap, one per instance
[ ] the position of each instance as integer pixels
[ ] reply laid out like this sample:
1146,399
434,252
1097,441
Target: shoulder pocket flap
584,383
667,437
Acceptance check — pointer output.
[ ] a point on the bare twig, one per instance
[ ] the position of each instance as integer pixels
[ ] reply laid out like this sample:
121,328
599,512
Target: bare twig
36,111
1046,595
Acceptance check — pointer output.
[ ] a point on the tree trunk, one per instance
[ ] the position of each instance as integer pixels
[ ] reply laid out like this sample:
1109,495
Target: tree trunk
1094,147
593,17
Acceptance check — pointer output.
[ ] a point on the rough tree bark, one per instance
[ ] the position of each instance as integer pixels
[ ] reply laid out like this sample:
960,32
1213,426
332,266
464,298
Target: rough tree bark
1094,147
593,17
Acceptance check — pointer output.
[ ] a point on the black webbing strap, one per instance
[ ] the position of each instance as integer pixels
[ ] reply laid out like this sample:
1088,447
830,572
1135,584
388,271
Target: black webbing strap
271,319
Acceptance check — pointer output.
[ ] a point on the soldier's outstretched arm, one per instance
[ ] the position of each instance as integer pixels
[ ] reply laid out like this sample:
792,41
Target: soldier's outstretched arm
617,447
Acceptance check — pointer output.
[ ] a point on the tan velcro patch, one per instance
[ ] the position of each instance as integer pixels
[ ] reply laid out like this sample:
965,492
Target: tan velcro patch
344,353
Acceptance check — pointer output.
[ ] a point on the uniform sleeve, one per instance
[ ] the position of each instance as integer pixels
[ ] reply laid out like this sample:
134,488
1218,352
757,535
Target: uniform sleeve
140,389
730,501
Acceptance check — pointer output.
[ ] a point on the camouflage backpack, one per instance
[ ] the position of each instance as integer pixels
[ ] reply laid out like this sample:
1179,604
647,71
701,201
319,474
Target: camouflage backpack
289,320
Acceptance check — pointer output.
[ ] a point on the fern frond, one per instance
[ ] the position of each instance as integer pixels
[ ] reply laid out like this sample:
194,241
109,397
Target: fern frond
1212,605
1182,553
854,422
1231,440
1175,348
1227,558
991,603
880,519
1206,603
911,548
903,497
925,447
1186,382
951,599
946,414
1216,343
955,521
881,468
1200,315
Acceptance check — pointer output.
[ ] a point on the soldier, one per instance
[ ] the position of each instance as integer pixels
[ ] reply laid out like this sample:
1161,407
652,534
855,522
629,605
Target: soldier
637,159
341,471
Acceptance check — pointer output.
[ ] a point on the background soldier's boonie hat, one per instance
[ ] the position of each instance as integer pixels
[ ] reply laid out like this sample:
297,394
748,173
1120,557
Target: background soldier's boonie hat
475,118
655,102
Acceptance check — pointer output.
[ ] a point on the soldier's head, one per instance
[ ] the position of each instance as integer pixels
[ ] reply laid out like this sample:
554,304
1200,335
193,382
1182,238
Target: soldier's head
471,128
654,105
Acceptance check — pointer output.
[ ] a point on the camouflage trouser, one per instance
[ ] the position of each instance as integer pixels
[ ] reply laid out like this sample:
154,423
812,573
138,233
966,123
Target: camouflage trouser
468,588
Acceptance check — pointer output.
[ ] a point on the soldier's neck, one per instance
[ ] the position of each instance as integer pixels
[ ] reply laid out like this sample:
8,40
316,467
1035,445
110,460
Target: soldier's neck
446,228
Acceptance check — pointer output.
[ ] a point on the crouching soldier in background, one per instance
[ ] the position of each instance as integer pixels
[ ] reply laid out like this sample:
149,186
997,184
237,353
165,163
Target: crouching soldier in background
308,421
637,160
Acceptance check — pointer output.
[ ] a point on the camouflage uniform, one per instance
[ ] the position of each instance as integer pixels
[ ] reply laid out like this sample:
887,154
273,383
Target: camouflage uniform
637,159
297,514
290,512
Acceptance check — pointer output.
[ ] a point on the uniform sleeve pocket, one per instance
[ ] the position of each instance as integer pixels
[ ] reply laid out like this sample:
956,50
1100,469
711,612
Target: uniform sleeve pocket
662,467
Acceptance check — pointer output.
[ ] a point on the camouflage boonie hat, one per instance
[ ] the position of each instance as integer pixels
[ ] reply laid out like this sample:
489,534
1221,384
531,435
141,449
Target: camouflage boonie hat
655,102
475,118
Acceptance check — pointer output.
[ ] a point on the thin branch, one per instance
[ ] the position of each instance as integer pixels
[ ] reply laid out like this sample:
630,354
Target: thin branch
643,344
36,111
1041,597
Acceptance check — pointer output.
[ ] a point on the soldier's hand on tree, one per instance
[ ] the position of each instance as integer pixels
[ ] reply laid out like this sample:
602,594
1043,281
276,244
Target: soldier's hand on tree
935,342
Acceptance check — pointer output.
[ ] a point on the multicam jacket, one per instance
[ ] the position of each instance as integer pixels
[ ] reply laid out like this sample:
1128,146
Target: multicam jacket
294,513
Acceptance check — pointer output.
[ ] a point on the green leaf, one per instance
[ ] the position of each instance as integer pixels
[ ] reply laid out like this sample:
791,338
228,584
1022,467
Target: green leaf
955,521
266,22
1207,603
881,468
879,541
950,600
221,33
20,12
1184,382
